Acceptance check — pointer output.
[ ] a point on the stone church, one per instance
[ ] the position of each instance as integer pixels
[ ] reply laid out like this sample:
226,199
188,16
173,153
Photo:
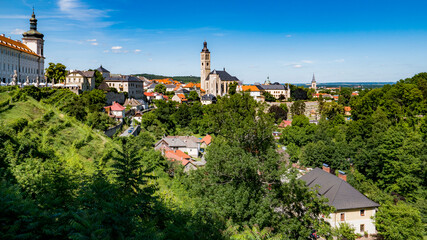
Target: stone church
214,82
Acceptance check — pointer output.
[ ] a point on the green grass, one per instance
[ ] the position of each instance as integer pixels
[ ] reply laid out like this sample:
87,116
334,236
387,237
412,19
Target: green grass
18,110
59,133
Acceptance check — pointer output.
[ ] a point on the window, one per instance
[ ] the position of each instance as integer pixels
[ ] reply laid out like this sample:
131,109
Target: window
362,227
342,217
362,212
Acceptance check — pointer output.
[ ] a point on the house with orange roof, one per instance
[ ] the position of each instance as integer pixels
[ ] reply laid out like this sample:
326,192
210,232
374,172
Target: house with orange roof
347,111
116,111
206,141
179,97
182,158
253,91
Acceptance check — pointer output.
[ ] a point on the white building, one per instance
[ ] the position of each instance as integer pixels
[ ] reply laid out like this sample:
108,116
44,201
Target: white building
25,57
187,144
351,206
80,80
134,86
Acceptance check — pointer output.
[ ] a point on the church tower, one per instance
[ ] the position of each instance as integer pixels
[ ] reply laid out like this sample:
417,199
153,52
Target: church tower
33,39
313,83
205,59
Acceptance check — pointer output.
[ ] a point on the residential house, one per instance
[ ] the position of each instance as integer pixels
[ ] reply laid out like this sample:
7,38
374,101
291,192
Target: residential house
126,83
136,105
208,99
105,73
347,111
150,95
179,98
137,116
181,157
170,87
182,91
190,86
116,110
206,141
253,91
351,206
187,144
80,80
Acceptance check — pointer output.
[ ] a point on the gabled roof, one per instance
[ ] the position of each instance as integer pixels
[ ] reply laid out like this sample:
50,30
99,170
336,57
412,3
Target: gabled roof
116,107
132,102
340,193
104,86
101,69
180,141
122,78
347,109
87,74
250,88
182,90
207,139
190,85
149,94
224,76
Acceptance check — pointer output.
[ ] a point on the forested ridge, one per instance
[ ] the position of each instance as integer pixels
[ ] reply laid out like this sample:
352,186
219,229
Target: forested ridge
61,178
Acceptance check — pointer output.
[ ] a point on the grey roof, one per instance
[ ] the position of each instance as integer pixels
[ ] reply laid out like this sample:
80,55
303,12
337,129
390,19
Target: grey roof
183,91
181,141
101,69
272,87
84,73
340,193
152,86
224,76
170,86
122,78
208,97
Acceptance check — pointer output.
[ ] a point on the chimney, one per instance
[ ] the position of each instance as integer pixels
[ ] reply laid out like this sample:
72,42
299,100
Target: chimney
326,168
342,175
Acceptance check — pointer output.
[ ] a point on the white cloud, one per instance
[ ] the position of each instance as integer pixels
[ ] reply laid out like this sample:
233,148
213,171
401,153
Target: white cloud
105,51
289,35
219,34
339,60
17,31
91,40
150,59
307,61
77,10
297,66
94,44
116,48
137,50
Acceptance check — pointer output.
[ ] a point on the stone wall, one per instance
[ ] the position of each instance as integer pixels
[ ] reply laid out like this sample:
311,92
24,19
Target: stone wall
115,97
111,131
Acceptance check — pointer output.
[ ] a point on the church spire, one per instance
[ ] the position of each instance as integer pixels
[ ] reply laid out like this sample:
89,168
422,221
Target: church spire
33,28
205,47
314,79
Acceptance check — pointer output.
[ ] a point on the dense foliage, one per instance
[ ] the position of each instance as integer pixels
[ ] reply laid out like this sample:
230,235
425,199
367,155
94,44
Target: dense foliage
385,143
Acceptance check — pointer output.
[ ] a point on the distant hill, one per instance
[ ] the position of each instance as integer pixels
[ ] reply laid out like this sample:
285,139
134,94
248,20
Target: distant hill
184,79
350,84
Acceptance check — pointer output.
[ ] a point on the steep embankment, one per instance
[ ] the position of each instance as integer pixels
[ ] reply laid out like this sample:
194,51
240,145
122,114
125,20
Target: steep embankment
51,130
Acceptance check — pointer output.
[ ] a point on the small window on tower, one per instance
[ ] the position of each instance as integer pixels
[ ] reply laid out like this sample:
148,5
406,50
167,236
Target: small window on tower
207,64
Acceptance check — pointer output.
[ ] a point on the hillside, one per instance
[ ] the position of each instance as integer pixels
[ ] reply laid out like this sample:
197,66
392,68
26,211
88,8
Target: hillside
70,140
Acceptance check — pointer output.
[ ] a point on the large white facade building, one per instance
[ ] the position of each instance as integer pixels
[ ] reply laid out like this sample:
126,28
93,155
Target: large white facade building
25,57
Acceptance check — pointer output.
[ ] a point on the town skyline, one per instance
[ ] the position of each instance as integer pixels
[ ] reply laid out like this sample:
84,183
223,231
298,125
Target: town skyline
86,34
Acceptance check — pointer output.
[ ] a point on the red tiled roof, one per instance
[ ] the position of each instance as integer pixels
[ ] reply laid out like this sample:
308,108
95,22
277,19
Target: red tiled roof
178,155
347,109
207,139
117,107
190,85
285,123
149,94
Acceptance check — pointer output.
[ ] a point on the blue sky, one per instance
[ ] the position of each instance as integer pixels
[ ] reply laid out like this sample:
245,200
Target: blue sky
353,40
